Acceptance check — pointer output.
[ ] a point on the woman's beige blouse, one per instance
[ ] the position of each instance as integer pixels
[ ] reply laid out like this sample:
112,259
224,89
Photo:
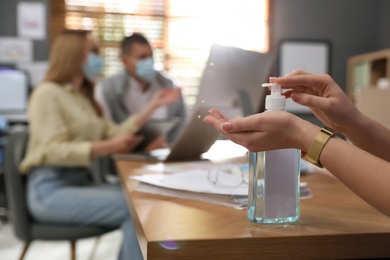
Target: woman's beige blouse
62,127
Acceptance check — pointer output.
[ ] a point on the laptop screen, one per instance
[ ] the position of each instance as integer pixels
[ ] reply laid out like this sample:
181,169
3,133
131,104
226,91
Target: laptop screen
232,78
13,91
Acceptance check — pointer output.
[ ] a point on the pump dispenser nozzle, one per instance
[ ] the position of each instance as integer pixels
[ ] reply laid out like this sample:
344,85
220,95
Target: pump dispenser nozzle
275,88
275,101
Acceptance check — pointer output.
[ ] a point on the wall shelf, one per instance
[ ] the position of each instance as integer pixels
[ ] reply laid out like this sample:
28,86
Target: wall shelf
364,70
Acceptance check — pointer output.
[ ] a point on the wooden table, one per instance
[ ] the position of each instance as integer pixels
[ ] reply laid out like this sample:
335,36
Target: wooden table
334,224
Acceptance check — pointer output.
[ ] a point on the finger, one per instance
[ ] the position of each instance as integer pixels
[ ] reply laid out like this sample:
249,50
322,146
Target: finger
134,138
300,80
288,93
158,142
301,89
311,101
214,121
173,93
221,115
168,90
241,124
297,72
176,94
217,113
293,73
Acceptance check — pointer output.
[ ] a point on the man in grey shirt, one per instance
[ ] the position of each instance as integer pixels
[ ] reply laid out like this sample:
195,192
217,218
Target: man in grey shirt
128,91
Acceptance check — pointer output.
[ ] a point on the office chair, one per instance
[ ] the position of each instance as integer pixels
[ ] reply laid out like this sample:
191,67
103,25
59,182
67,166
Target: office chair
104,170
24,226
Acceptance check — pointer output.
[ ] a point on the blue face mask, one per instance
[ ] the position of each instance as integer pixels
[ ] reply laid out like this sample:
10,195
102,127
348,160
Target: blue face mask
145,69
94,66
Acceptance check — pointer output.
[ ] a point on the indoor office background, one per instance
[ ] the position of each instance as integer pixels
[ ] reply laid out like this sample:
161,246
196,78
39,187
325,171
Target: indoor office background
351,27
300,20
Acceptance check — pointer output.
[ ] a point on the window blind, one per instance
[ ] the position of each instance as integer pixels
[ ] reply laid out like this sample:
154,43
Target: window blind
180,31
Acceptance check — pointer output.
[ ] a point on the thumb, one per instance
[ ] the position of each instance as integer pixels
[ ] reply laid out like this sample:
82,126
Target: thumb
309,100
240,124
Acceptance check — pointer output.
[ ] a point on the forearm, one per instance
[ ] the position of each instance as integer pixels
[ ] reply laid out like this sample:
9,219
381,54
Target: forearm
365,174
127,126
143,116
370,136
368,176
102,148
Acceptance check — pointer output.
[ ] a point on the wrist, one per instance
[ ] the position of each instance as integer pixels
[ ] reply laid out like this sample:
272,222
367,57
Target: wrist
112,146
306,134
357,121
314,152
153,105
109,146
101,148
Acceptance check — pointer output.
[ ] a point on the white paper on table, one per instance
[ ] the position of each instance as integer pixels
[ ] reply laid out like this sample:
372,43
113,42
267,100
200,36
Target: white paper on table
191,180
31,20
304,191
237,202
197,181
178,166
305,166
14,50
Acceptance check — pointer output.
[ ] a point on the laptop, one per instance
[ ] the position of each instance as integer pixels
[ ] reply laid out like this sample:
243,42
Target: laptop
232,78
194,139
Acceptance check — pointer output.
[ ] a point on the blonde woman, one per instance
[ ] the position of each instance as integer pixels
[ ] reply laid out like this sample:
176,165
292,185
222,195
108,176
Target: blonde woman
66,132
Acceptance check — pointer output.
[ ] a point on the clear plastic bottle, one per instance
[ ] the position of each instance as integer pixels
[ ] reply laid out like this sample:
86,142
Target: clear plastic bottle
274,177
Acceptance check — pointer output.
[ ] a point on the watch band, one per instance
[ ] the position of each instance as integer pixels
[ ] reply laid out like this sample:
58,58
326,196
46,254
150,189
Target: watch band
315,149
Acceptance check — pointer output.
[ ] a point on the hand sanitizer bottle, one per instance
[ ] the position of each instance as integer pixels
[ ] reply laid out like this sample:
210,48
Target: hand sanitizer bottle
274,176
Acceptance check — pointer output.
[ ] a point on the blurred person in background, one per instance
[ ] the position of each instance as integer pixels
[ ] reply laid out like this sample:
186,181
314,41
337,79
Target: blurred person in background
128,91
67,130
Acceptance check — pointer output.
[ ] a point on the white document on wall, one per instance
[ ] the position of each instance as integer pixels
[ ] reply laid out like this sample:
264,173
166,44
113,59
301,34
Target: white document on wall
31,17
36,71
14,50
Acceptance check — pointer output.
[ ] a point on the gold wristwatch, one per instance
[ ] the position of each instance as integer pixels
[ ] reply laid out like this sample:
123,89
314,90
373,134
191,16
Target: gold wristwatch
315,149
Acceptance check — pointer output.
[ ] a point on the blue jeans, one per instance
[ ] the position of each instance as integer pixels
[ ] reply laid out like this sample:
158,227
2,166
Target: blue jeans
66,196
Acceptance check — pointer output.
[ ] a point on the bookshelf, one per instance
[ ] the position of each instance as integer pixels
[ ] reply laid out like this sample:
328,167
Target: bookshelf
364,70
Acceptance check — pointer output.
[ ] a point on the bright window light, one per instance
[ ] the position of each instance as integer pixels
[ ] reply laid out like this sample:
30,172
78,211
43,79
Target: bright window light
181,31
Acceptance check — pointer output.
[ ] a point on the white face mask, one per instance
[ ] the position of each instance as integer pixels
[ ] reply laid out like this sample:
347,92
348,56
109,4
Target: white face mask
145,69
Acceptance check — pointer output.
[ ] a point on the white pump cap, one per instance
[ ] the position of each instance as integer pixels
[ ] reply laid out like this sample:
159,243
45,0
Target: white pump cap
275,101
